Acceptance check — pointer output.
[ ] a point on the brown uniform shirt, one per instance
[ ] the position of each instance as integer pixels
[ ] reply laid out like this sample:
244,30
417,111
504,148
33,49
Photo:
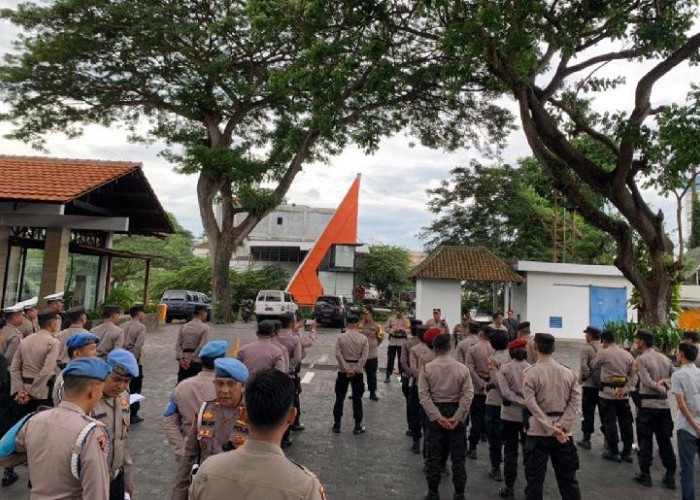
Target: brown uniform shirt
292,345
219,426
445,380
187,398
654,367
191,338
62,338
261,355
351,351
134,338
259,470
10,342
405,358
306,340
463,348
550,387
111,337
440,324
48,438
28,327
510,382
114,414
369,330
614,361
478,363
587,378
415,357
397,329
34,365
498,359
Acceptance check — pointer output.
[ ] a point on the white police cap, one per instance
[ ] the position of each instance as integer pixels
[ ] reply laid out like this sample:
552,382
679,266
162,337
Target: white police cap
29,304
13,309
54,296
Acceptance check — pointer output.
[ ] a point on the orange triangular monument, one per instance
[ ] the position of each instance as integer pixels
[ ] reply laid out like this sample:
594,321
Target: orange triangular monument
341,230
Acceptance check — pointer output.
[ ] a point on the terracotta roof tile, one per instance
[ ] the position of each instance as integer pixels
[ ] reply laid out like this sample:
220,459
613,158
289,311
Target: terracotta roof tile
56,180
465,264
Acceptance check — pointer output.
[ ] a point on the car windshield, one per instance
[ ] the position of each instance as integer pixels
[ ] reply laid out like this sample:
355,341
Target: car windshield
174,295
329,300
273,297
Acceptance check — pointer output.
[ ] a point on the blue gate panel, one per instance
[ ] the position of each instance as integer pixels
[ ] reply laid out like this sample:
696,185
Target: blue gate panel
606,305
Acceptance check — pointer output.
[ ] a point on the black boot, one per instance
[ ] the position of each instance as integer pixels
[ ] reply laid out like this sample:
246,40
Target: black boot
336,427
373,396
644,479
495,474
415,448
669,480
506,492
359,429
585,442
9,477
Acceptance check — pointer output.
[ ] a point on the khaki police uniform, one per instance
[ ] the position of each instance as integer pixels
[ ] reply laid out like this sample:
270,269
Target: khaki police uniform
111,337
306,340
477,361
28,327
614,367
397,327
459,332
10,342
114,414
216,429
494,400
463,347
553,396
412,405
590,386
510,383
134,338
184,404
190,340
431,323
351,352
66,454
292,344
285,354
258,470
62,337
261,355
445,390
654,415
33,369
370,330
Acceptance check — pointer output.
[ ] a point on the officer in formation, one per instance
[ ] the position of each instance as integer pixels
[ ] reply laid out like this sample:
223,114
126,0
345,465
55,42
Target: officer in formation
264,353
30,323
6,420
66,450
260,469
370,330
499,343
461,330
77,319
306,340
404,362
55,303
110,334
552,397
437,321
219,426
291,344
191,338
276,327
398,328
469,338
523,331
188,395
446,392
134,338
590,385
351,352
477,361
10,333
79,345
416,347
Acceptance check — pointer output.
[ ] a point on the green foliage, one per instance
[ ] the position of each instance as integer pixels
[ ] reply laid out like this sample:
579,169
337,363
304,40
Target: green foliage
196,275
387,267
666,338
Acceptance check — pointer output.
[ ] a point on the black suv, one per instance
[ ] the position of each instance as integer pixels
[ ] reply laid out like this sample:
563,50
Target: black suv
331,309
181,304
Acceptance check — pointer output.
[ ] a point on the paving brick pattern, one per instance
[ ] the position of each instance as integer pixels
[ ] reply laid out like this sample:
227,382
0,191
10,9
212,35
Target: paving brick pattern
375,465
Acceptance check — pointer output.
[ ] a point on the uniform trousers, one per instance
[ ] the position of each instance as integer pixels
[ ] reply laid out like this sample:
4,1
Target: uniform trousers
494,431
477,414
614,412
513,436
659,422
135,387
371,367
537,451
405,382
588,406
193,370
297,393
688,449
441,443
393,352
414,412
19,411
342,382
116,488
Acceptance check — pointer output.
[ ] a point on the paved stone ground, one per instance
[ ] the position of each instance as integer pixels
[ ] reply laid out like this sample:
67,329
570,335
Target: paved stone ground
377,464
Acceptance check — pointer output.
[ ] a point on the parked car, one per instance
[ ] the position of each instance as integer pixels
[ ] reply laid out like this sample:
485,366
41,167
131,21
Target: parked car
271,304
181,304
371,293
331,309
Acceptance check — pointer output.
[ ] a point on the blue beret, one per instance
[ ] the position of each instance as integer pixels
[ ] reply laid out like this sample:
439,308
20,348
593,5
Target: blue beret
214,349
123,363
231,368
87,367
78,340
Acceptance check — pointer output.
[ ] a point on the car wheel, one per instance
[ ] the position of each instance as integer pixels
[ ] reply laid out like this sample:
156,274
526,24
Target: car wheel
168,320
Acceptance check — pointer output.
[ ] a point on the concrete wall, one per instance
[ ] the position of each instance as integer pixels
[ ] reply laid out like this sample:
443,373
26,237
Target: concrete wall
444,294
565,295
518,301
299,223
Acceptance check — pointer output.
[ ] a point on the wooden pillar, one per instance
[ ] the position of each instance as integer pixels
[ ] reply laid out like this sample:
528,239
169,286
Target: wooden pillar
53,272
146,282
108,280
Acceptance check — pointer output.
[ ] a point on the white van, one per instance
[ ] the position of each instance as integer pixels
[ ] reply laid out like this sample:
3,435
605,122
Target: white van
272,304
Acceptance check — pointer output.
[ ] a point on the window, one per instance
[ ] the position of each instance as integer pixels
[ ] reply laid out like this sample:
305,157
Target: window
556,322
343,256
279,221
174,295
273,297
288,297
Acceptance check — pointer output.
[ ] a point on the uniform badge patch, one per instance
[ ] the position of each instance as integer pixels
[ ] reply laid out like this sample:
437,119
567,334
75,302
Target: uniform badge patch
207,415
239,440
205,433
125,403
102,439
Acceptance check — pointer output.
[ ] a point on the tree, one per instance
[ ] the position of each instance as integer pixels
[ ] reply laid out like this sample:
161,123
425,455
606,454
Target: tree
387,267
547,55
510,210
243,92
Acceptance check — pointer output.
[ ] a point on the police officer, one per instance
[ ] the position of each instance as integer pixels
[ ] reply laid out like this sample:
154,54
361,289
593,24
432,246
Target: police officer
188,396
477,361
614,367
111,336
220,424
79,345
446,392
134,338
192,337
523,331
462,330
259,469
113,411
511,325
291,344
351,352
510,382
369,329
590,385
654,414
30,324
552,396
276,327
77,319
66,449
10,333
397,327
438,322
404,363
415,419
55,303
469,338
494,400
6,419
306,340
263,353
33,368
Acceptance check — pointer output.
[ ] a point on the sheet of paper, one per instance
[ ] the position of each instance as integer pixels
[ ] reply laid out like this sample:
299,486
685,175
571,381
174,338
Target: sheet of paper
136,398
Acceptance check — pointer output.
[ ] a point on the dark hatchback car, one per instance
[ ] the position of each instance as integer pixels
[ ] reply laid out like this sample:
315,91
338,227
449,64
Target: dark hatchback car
331,309
181,304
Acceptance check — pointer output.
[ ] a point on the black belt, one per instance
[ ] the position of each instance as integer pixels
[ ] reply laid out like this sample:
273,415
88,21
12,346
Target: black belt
351,360
555,413
527,414
653,396
446,403
393,336
27,380
188,350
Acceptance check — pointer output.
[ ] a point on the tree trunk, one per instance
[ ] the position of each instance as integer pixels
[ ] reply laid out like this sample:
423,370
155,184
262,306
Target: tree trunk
656,303
221,280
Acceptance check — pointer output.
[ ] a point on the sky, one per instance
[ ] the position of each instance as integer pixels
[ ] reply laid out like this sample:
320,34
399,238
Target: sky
394,180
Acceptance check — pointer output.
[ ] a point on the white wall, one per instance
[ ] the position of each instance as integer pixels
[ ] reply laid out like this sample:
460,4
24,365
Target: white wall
565,295
443,294
518,301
